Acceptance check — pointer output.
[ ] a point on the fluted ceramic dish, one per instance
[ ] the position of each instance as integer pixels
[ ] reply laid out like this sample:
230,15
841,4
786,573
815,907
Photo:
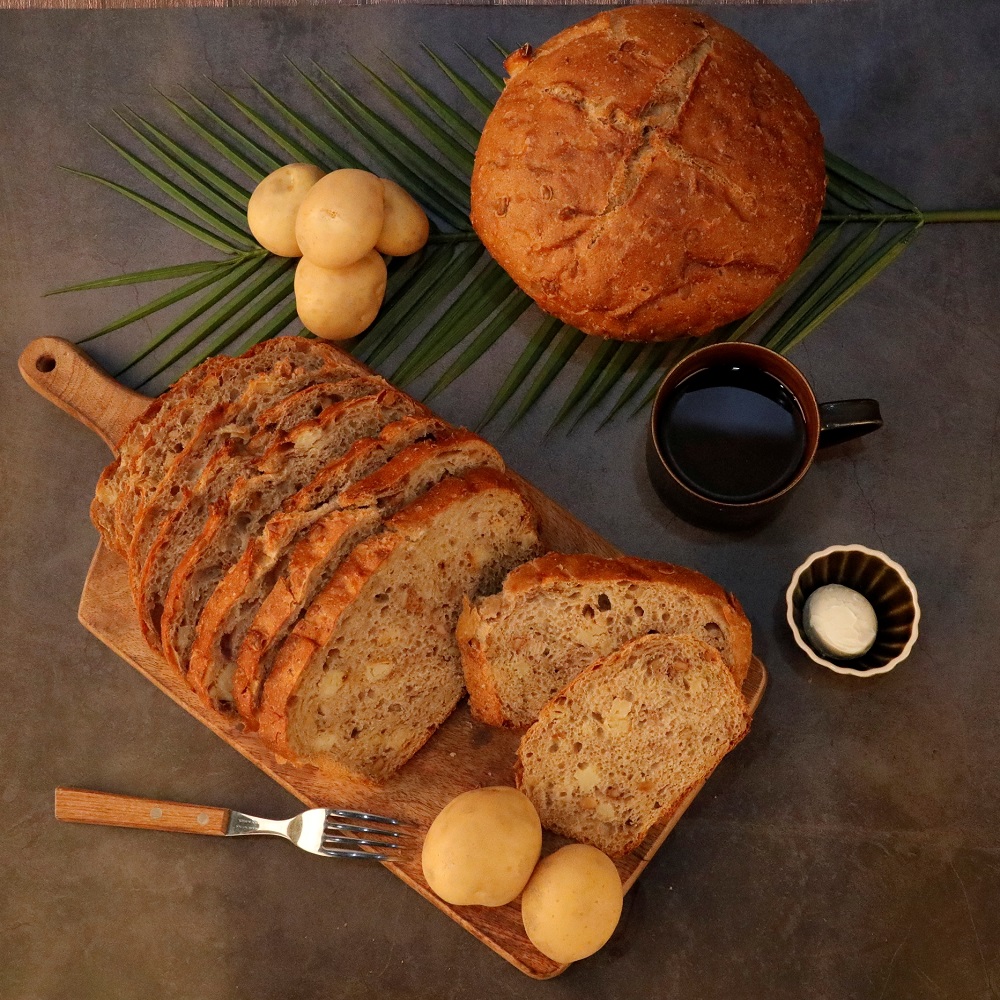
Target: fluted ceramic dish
885,584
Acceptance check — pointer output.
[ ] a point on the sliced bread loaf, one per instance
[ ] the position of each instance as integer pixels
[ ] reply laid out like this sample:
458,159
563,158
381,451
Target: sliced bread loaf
373,669
315,545
232,604
332,433
270,404
560,612
628,738
241,511
170,409
219,381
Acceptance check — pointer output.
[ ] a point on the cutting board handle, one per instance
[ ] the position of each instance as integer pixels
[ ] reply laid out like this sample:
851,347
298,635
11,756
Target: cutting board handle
63,374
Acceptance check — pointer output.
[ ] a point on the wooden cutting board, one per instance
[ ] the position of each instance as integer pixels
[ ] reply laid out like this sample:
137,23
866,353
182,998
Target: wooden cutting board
462,755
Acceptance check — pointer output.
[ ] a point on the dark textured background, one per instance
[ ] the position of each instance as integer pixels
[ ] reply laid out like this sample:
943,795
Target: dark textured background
848,849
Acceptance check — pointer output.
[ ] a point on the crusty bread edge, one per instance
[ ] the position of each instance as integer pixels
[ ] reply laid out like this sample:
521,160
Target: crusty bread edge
620,653
583,567
484,699
320,621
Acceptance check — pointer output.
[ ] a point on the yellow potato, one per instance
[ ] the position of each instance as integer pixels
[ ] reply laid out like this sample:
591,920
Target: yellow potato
405,227
482,847
275,203
340,218
340,303
572,903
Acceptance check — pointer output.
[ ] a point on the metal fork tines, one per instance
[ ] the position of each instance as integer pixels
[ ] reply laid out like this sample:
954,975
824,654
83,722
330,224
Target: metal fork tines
333,833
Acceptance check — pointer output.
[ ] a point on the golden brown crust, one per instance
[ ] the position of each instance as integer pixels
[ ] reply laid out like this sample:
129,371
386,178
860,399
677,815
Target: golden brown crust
324,539
561,567
278,533
484,699
320,621
648,173
637,648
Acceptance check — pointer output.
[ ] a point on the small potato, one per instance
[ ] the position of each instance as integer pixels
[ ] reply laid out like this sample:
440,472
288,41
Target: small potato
340,218
482,847
572,903
405,227
339,304
275,203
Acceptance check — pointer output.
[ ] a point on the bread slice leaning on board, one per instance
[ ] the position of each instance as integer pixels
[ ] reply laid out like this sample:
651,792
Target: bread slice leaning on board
561,612
628,738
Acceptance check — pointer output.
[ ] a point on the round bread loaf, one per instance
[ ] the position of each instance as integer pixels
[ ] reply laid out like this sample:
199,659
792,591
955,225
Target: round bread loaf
647,174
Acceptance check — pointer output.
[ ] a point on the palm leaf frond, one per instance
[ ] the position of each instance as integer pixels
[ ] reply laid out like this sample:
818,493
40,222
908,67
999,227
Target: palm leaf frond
558,357
226,284
845,171
475,303
450,148
606,351
246,155
450,297
612,375
390,164
530,356
420,300
493,79
465,132
397,147
280,138
853,282
501,320
467,90
163,302
213,185
142,277
258,284
649,364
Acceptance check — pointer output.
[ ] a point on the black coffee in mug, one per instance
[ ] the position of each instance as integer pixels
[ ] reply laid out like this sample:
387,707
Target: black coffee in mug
733,432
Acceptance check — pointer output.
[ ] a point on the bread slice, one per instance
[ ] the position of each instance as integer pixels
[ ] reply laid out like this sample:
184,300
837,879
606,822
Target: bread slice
561,612
270,404
373,669
152,444
289,367
333,432
241,511
244,581
623,744
172,409
316,546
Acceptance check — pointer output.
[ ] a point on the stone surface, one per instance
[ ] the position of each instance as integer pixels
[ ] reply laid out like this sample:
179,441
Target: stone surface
848,849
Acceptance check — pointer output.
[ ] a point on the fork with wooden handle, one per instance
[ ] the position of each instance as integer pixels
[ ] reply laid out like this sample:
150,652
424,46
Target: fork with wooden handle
332,833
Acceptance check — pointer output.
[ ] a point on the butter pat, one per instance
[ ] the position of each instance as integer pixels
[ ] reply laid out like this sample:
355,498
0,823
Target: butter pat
839,622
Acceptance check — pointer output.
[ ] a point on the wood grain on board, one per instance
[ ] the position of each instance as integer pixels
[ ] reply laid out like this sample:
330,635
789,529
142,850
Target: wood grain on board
463,754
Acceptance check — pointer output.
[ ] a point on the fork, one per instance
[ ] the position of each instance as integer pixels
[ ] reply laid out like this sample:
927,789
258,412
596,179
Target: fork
332,833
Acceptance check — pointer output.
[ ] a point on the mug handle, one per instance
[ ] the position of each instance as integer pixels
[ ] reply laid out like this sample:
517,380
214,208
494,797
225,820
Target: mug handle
845,419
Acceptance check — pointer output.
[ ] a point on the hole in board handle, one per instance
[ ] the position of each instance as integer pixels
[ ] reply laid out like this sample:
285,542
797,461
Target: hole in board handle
45,363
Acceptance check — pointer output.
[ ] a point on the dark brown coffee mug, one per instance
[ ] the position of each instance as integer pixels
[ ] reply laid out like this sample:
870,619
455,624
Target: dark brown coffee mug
739,369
